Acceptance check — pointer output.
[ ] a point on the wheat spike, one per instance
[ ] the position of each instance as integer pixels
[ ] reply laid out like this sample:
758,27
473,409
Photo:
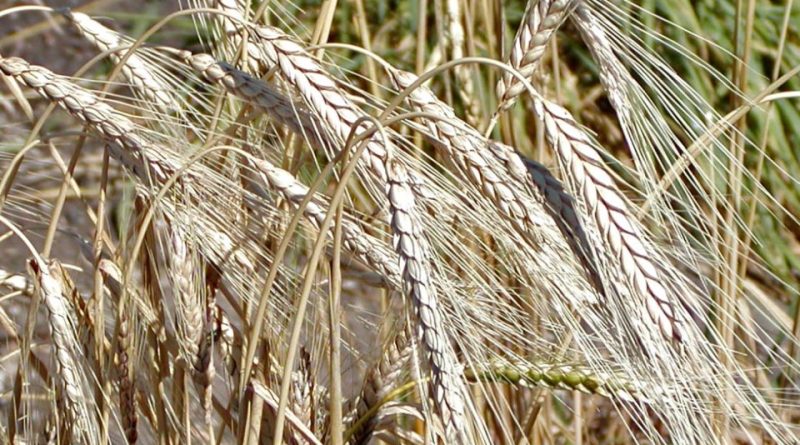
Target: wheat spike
542,18
560,376
412,248
498,172
126,380
126,145
136,70
189,310
66,350
621,232
323,97
379,382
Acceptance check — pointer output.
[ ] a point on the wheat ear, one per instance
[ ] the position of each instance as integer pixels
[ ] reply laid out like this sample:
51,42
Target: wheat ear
561,376
127,388
66,351
379,382
189,310
498,172
323,97
542,18
136,70
125,144
413,250
621,232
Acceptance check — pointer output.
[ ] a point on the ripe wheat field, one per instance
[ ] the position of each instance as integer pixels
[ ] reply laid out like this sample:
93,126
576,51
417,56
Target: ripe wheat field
400,222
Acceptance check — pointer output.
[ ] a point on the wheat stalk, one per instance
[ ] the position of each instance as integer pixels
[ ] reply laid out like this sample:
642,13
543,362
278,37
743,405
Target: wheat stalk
414,253
541,20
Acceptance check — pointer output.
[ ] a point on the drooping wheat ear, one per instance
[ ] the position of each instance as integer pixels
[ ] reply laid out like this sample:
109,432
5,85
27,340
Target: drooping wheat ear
364,247
81,423
127,386
498,172
379,382
137,71
542,18
323,97
150,164
413,250
560,376
579,156
189,310
126,145
257,93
